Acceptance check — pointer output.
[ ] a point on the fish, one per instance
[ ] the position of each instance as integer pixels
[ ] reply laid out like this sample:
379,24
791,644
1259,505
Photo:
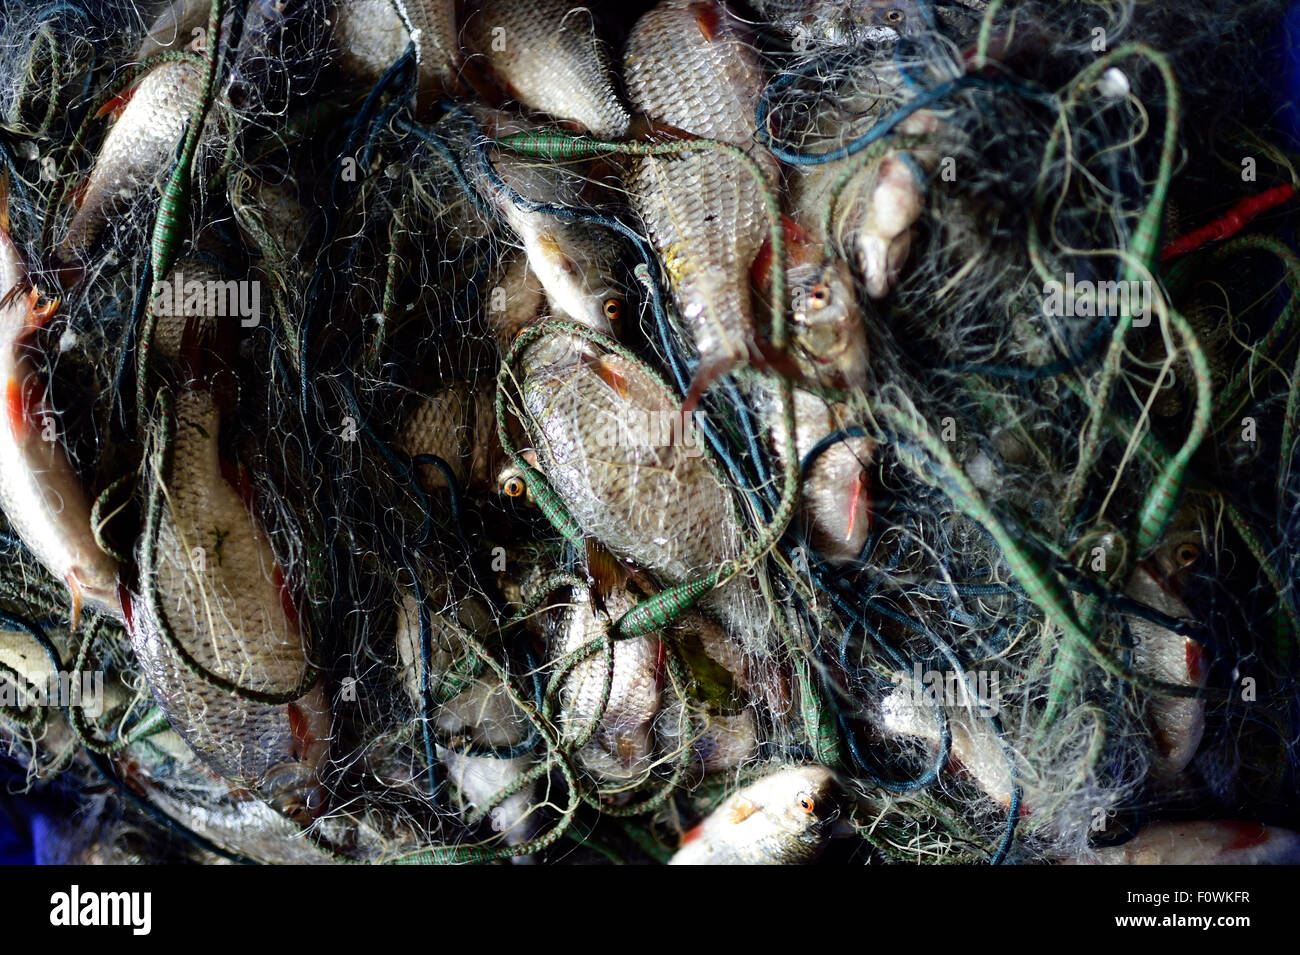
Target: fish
174,27
690,66
456,423
835,497
844,23
905,713
875,213
41,492
1177,722
197,309
1217,842
372,35
211,582
546,55
782,819
609,436
576,262
481,714
131,168
623,742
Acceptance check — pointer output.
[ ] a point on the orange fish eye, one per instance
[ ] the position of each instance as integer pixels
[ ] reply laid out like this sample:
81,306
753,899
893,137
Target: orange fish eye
807,803
613,309
819,297
1186,554
894,16
514,486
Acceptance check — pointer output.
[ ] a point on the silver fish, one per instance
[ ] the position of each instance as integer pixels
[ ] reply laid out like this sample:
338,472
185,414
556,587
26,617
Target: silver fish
457,423
135,158
546,55
41,493
690,65
623,740
211,583
1202,843
779,820
839,23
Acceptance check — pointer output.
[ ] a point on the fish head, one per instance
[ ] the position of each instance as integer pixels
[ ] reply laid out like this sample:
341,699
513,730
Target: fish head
886,19
801,799
512,483
829,332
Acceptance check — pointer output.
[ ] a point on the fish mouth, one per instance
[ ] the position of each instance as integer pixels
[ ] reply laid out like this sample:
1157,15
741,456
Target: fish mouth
295,790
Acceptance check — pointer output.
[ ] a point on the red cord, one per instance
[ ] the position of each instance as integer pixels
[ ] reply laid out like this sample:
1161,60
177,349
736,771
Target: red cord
1229,224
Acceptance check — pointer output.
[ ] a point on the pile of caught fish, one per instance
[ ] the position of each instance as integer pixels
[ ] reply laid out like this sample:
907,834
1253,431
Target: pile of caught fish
695,433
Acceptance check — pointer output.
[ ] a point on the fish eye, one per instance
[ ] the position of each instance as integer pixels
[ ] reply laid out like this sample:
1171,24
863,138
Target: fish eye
514,486
613,309
1186,554
894,15
807,803
819,297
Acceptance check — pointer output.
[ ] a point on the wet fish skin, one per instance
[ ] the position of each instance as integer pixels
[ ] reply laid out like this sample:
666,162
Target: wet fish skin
41,493
1177,722
550,60
457,423
371,36
623,743
1219,842
828,335
691,66
835,502
135,157
778,820
221,594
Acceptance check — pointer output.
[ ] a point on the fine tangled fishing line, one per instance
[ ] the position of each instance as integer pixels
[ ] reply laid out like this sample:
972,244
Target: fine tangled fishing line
799,430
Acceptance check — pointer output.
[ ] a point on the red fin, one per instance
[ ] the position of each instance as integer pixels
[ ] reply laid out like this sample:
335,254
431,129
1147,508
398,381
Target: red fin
862,489
124,598
692,833
760,270
608,374
644,129
4,200
1246,835
708,17
1195,655
20,402
798,246
117,103
301,730
705,375
78,195
39,315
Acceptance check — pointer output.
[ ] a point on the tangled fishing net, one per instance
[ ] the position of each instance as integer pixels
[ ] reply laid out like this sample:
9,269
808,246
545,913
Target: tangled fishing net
376,598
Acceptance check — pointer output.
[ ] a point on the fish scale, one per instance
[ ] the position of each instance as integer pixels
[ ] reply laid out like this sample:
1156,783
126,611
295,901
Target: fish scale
458,425
217,589
372,35
548,56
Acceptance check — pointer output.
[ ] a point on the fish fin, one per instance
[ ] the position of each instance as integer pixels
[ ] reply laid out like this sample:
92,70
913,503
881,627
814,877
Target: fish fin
1246,835
75,592
39,315
4,200
862,489
1194,653
608,374
742,810
693,833
604,573
767,357
18,407
128,610
798,249
646,130
282,588
300,729
706,373
78,195
708,17
118,103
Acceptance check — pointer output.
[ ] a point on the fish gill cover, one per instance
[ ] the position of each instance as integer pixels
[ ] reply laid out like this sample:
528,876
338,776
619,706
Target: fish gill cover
859,431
